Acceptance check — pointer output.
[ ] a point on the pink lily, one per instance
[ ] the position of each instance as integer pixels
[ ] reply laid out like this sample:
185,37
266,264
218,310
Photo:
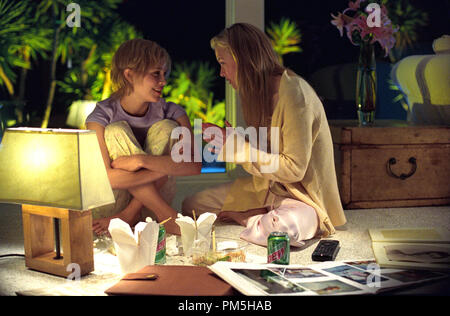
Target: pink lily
339,22
353,6
382,34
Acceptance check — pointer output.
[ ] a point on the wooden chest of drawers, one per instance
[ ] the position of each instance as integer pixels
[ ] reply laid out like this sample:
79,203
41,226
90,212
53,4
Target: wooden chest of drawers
391,164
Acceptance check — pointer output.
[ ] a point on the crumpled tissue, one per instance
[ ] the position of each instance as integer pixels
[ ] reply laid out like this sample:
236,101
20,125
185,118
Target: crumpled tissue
192,237
134,250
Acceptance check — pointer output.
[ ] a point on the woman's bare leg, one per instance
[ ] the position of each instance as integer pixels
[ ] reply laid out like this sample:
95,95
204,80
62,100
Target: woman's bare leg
150,197
130,214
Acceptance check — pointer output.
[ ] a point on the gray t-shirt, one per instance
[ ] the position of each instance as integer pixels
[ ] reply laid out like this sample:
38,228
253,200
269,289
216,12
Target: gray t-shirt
109,111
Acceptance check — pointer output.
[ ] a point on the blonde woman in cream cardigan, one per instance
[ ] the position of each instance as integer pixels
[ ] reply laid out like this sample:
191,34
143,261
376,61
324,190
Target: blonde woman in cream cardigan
299,194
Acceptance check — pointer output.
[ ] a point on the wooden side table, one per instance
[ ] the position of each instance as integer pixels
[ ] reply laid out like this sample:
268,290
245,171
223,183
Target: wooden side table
391,164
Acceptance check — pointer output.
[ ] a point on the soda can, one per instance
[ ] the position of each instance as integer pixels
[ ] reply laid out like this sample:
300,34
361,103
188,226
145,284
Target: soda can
160,257
278,248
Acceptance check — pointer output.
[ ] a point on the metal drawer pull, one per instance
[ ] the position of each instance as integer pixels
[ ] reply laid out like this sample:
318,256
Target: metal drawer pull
403,176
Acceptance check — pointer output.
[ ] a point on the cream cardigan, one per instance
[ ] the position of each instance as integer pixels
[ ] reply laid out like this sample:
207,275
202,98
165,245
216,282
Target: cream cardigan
302,169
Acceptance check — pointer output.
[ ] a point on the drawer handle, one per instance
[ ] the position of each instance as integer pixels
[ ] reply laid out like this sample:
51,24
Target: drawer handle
403,176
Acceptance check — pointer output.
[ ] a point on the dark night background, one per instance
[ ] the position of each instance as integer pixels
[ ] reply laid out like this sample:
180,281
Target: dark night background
184,28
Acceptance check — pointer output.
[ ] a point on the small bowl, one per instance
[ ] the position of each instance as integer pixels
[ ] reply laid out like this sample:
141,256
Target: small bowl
226,249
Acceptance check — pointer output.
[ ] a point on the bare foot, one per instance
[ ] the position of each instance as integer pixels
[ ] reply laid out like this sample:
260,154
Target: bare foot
240,217
232,217
100,226
172,227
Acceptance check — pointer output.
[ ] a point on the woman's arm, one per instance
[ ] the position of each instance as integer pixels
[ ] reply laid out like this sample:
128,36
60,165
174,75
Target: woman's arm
118,178
291,147
163,164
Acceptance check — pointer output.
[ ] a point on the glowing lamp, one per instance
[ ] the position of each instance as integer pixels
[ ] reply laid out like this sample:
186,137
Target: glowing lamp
57,176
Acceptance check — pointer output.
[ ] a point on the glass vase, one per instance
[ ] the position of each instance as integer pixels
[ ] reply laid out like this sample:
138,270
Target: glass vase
366,85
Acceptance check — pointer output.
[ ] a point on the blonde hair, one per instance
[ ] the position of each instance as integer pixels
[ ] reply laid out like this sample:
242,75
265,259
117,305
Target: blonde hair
139,55
257,63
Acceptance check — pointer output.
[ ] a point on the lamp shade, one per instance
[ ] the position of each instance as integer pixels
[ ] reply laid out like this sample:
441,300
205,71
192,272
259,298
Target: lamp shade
53,167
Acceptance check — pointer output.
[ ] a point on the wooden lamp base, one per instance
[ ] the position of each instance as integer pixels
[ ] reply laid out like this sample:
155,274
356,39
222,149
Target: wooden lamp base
76,240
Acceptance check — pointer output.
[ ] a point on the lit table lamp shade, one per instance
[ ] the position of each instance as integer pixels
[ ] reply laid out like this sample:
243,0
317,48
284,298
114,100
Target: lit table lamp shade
54,174
60,168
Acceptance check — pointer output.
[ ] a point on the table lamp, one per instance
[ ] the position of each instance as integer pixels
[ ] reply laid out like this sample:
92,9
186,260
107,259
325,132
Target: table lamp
58,176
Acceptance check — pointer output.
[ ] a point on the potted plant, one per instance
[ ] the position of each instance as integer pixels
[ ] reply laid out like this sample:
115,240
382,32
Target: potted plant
21,43
285,37
189,86
68,41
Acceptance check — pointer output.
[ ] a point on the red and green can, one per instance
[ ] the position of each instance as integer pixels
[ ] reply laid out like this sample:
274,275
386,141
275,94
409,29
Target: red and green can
160,257
278,248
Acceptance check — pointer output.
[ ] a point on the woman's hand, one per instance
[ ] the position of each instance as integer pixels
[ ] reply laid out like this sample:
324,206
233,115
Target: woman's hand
128,163
215,136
